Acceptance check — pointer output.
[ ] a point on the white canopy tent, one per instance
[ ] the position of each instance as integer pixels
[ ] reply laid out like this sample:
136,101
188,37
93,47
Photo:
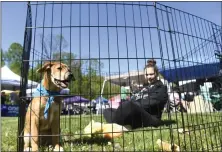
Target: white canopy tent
135,77
128,77
11,81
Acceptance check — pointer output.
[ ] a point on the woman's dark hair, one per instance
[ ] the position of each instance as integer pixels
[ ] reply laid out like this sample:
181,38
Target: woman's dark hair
152,63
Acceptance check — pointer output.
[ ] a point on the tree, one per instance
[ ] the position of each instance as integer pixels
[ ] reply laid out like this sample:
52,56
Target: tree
53,44
91,82
94,67
2,58
33,75
13,57
111,90
67,58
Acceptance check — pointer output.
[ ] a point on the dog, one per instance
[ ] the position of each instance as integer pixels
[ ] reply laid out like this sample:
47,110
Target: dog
43,113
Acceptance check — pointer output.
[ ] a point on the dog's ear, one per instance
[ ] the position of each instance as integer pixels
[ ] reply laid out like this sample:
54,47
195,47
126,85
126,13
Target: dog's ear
45,67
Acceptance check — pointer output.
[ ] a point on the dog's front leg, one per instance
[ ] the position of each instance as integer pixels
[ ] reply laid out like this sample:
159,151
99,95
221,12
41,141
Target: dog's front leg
34,133
55,134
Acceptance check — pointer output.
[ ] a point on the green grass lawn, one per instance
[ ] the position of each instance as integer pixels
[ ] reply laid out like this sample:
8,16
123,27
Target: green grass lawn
205,133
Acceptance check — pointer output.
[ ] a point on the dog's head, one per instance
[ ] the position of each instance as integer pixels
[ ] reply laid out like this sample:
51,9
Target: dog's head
57,73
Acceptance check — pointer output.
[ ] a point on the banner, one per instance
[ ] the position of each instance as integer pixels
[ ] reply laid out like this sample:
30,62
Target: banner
10,110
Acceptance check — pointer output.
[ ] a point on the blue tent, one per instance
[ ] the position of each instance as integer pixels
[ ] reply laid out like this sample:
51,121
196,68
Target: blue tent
191,72
102,100
75,99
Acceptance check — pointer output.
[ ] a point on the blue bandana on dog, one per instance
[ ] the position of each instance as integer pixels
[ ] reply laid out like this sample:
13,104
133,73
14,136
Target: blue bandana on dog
41,91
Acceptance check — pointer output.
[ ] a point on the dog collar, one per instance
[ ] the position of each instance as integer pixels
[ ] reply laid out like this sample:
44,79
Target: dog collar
41,91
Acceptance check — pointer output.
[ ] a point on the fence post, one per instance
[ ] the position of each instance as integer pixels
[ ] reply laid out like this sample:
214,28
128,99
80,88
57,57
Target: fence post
24,77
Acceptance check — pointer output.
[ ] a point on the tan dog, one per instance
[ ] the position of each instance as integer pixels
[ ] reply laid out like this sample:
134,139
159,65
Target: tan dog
56,76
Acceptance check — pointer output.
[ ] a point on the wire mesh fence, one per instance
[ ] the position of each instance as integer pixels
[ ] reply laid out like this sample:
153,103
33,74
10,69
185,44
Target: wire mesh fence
119,101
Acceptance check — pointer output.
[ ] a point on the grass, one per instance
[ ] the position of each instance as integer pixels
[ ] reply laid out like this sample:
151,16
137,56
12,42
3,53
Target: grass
204,134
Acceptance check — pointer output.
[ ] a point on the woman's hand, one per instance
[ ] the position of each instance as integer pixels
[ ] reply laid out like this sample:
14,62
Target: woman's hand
143,90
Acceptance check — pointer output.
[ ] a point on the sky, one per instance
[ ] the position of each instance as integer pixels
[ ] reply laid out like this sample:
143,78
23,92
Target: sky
132,45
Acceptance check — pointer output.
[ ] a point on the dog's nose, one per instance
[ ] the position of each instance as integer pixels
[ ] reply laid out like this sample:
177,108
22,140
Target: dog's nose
71,77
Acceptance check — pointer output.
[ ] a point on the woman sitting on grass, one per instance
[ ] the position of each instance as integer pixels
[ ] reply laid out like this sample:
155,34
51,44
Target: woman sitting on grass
145,108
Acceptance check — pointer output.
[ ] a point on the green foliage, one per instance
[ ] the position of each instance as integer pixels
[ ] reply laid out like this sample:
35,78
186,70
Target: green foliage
203,134
14,53
2,58
16,67
55,43
90,83
14,57
67,58
33,75
111,90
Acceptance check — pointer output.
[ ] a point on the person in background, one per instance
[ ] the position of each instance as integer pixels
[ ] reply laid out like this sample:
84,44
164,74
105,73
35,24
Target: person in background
64,92
13,98
3,98
219,56
176,104
124,92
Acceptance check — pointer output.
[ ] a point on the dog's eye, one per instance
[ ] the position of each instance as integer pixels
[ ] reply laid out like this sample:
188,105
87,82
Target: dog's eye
59,68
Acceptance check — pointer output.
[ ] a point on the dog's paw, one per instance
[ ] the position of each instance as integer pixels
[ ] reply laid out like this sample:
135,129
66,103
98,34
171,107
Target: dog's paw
58,148
27,149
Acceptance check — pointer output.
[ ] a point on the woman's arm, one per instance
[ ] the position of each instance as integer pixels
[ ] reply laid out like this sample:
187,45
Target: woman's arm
155,96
